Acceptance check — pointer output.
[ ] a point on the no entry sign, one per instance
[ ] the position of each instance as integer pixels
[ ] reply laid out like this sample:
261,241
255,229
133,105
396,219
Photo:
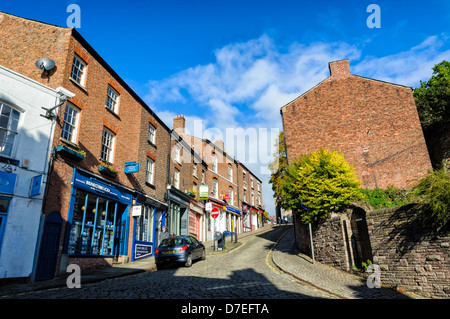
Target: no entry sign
214,212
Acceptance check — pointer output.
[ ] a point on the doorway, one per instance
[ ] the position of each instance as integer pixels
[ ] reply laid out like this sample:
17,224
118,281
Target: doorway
362,249
48,252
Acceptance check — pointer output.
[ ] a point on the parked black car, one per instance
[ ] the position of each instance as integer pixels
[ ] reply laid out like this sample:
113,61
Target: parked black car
182,249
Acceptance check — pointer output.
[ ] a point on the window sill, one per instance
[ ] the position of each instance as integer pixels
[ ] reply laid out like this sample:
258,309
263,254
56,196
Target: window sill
150,185
79,85
112,112
74,145
152,144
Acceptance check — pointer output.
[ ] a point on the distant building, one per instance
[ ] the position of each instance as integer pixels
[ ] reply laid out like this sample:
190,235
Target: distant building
375,124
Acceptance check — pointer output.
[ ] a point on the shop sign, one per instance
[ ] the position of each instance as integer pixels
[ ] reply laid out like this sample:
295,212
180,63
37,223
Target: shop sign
100,188
131,167
234,210
142,249
226,196
136,211
7,182
203,191
35,185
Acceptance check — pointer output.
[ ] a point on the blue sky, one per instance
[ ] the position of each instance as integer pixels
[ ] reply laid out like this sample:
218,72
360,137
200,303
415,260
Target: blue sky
233,64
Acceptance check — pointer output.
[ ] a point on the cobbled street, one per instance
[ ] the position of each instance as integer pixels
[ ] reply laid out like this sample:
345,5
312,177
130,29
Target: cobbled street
246,272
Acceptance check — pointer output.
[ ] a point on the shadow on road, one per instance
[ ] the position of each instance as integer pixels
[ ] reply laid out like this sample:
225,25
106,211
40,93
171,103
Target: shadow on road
241,284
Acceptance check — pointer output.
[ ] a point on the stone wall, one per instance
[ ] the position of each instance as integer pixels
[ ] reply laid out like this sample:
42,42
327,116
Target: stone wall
409,254
328,239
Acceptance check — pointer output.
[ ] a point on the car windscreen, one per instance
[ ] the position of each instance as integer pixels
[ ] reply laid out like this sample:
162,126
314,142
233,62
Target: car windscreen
170,242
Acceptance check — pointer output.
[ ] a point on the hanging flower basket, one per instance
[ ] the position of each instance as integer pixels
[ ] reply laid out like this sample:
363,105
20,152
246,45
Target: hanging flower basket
70,153
108,169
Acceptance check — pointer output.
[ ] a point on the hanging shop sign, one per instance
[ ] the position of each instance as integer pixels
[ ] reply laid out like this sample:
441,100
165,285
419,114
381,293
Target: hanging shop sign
136,211
131,167
203,191
35,185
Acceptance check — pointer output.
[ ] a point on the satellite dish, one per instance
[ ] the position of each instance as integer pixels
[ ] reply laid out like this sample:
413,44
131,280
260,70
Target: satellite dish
45,64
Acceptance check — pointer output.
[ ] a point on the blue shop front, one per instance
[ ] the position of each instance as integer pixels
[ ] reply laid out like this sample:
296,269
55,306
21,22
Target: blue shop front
108,222
98,218
149,216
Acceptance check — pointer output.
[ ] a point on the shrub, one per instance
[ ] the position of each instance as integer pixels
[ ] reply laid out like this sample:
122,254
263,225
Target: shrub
323,182
434,193
383,198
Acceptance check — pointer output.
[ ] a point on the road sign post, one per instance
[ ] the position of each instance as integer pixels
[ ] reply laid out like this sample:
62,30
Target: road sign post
214,214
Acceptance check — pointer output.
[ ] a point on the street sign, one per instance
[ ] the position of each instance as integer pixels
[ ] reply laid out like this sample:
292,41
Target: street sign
215,212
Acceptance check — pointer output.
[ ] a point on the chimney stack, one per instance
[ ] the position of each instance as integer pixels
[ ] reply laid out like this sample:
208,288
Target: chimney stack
179,124
339,69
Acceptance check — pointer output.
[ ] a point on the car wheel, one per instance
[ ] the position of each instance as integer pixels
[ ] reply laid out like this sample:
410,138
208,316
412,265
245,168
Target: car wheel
188,262
204,254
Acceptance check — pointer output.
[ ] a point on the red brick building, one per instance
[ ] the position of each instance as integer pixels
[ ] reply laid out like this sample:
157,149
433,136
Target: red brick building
89,209
375,124
233,188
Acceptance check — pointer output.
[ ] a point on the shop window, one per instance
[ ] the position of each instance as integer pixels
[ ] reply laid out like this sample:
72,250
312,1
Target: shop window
9,121
93,225
144,225
70,123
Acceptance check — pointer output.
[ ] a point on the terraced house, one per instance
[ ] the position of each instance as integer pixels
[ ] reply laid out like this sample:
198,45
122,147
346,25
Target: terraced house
116,172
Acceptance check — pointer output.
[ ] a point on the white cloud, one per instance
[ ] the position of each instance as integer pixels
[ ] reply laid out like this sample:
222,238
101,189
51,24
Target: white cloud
407,67
248,83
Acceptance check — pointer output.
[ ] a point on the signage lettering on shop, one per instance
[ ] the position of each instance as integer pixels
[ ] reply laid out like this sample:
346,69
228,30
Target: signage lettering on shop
142,249
93,185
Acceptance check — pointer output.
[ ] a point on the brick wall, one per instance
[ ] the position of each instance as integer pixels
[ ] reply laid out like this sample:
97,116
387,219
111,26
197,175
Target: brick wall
374,123
23,42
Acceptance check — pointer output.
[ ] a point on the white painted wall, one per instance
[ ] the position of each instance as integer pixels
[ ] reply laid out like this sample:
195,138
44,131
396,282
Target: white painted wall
33,142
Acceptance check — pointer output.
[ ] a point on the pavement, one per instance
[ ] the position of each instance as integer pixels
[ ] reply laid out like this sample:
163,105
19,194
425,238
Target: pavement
284,255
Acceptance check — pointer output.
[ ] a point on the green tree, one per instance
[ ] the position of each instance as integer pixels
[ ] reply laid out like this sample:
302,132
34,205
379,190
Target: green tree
433,97
278,168
322,181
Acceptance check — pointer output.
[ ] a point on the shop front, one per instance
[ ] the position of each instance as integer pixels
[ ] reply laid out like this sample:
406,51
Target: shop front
98,220
196,217
235,219
178,211
246,218
148,215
